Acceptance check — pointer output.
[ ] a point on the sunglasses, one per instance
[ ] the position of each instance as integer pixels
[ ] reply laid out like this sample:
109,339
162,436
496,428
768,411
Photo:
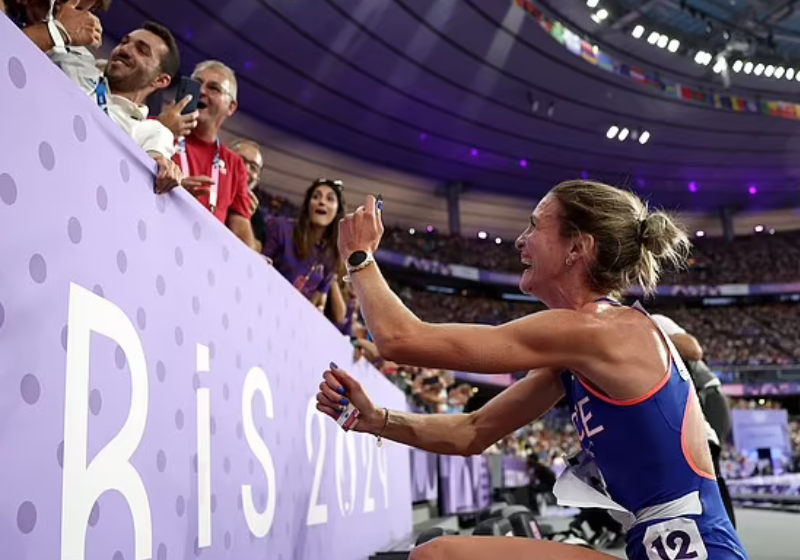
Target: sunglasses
336,185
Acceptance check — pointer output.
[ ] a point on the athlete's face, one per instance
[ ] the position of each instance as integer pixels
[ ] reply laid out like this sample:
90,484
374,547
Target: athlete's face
542,248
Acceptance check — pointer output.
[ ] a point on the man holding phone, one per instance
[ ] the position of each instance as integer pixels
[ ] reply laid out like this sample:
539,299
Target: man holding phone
213,173
180,116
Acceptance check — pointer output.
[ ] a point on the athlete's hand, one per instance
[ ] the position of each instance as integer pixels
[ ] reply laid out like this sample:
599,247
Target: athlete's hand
361,230
337,389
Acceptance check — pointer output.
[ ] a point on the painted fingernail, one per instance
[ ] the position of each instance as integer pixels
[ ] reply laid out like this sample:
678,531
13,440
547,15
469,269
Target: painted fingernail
334,366
343,402
341,391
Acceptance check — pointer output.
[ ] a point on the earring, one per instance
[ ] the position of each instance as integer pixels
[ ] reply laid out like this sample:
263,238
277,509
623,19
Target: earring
569,261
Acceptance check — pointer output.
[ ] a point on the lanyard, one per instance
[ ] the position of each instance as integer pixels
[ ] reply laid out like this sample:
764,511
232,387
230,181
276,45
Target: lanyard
215,167
101,93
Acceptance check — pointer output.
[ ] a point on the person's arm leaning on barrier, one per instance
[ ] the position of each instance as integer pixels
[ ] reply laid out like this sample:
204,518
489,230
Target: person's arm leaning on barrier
453,434
338,303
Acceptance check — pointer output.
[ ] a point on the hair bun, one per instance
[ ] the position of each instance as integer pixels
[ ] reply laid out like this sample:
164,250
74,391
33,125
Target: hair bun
659,234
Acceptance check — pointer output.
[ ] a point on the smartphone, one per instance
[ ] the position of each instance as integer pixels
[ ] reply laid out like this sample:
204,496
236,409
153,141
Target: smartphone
188,86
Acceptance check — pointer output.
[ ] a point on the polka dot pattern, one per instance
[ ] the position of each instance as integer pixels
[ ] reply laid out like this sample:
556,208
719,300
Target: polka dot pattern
79,128
30,389
46,156
8,189
161,371
124,171
16,71
101,196
141,318
178,279
37,267
161,285
94,515
26,517
122,261
95,402
74,230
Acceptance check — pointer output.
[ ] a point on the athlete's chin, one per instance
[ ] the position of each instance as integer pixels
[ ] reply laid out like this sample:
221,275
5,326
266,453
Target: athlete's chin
527,284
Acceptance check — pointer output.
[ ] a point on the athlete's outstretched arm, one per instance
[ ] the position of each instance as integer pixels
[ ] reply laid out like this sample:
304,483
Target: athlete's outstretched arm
450,434
558,338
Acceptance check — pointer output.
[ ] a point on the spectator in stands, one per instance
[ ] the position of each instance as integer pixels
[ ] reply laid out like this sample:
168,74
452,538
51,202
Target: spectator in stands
250,152
542,479
304,250
71,23
215,175
342,305
145,61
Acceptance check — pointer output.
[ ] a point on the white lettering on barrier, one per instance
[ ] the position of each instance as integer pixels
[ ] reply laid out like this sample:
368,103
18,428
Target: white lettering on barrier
345,440
317,513
383,474
367,456
203,452
111,468
345,448
257,382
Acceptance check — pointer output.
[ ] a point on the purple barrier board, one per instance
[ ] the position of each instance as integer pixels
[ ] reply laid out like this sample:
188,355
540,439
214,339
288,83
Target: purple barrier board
466,484
158,379
515,472
755,429
424,476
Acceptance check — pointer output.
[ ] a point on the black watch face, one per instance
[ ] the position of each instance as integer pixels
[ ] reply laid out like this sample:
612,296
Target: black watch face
357,258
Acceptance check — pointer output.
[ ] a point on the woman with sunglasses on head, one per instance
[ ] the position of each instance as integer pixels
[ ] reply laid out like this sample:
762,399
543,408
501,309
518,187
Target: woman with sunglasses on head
304,250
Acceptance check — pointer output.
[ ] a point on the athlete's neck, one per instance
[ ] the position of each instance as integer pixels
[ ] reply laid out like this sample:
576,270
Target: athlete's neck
570,293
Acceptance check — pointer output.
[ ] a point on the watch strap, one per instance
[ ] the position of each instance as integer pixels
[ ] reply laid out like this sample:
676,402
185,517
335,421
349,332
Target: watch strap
364,264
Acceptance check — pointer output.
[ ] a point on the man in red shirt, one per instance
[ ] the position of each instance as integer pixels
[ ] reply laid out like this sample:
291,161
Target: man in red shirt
214,174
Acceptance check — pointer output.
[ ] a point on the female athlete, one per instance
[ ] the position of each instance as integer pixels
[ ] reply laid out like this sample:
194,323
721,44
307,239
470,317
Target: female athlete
644,453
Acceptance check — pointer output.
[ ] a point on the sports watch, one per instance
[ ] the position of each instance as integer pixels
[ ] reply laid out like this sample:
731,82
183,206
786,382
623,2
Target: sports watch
357,261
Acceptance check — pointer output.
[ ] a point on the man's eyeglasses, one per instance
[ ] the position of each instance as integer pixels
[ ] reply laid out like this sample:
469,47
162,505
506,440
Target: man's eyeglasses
215,89
251,164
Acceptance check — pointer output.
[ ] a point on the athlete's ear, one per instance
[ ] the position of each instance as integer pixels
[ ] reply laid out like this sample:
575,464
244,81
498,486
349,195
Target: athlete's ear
583,247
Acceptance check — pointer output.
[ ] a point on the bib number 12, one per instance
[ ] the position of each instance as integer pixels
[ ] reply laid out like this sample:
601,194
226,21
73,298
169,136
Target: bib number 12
676,539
